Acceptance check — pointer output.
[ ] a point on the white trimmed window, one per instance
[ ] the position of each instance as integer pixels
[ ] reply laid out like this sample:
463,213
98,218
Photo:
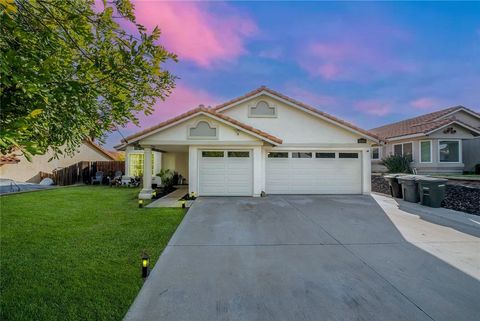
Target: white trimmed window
425,151
135,164
449,151
403,149
375,153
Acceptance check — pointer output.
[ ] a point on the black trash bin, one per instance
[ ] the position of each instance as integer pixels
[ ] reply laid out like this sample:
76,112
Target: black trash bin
432,191
410,188
395,188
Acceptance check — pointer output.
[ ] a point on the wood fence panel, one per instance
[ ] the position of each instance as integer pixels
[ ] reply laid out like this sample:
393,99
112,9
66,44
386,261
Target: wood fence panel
82,172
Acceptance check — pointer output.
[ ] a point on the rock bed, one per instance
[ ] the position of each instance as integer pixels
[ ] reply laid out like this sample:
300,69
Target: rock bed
462,198
457,197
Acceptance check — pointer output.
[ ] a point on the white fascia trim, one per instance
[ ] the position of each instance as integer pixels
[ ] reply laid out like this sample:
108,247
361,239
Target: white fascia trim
457,123
393,139
287,102
456,111
195,115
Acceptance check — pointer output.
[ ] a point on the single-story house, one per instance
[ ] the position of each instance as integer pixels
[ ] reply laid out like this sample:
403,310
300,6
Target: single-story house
21,170
260,142
435,140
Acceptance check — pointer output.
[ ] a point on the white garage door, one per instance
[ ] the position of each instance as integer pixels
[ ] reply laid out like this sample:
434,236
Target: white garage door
313,173
225,173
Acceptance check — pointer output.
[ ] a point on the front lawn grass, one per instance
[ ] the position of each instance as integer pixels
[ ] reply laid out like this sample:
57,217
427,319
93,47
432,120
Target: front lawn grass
74,253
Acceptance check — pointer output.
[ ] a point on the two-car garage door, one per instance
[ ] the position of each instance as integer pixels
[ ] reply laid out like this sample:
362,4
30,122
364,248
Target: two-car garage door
313,173
230,172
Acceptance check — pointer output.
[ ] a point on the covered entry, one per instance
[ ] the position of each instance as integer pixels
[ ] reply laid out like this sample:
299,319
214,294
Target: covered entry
314,172
225,173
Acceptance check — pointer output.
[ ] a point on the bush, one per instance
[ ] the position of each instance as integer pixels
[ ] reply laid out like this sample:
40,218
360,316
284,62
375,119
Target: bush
477,169
398,164
169,179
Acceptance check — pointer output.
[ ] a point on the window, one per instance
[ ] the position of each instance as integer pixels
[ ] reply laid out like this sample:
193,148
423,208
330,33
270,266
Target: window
212,153
325,155
238,154
375,153
426,151
262,109
449,151
135,164
403,149
277,155
348,155
301,155
202,130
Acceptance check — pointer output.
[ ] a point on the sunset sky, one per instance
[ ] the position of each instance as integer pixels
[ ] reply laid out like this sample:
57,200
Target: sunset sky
368,63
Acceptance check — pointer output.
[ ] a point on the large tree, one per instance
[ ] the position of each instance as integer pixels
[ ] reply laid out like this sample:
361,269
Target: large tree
69,71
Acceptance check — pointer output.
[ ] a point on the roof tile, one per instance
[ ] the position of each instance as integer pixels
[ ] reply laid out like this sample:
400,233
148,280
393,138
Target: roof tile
418,125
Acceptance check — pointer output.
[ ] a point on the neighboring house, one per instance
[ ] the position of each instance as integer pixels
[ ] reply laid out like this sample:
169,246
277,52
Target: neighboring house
24,171
435,140
262,141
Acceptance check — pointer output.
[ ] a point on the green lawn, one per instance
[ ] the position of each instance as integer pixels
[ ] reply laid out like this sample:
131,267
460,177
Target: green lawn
74,253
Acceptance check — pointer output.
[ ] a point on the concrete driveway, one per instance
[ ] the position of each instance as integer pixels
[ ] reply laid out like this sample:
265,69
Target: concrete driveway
312,258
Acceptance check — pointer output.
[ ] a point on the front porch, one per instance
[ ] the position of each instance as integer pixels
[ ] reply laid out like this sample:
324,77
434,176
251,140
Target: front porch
148,161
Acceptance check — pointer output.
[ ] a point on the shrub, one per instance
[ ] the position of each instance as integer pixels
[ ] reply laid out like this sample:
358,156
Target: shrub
477,169
398,164
168,179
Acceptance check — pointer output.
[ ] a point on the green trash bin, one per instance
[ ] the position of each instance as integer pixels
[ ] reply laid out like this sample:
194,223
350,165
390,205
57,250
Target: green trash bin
432,191
395,188
410,188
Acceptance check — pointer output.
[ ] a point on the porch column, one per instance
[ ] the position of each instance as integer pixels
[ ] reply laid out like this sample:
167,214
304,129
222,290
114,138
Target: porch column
192,170
366,171
128,150
146,192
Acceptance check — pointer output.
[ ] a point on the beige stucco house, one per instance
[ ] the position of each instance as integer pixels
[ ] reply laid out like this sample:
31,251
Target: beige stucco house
21,170
436,141
260,142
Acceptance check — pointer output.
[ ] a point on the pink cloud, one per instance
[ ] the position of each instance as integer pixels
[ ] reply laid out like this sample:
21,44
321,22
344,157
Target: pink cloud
424,103
373,107
194,33
182,99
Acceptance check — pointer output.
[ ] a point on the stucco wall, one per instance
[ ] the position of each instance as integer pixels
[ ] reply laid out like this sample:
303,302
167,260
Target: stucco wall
26,171
292,125
178,134
177,161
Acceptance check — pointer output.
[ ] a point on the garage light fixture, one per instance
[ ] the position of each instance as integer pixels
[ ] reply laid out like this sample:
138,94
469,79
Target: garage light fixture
145,265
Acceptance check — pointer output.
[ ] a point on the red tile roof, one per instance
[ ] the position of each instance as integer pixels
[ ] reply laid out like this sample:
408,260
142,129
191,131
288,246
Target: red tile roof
420,125
298,103
9,159
100,149
206,111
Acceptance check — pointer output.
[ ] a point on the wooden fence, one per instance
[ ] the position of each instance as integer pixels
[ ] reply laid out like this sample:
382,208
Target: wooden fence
82,172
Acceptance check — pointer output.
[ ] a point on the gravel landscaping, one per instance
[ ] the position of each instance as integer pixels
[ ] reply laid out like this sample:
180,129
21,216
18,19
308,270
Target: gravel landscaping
458,196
